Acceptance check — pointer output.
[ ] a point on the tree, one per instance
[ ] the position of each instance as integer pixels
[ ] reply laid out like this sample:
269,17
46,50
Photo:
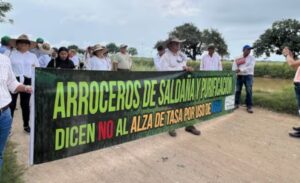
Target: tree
132,51
212,36
192,35
282,33
5,7
112,48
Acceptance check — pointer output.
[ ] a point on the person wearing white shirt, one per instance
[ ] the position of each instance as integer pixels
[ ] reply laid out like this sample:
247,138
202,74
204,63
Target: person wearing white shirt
123,59
23,63
8,83
175,60
73,57
44,58
244,67
99,61
160,52
211,61
296,65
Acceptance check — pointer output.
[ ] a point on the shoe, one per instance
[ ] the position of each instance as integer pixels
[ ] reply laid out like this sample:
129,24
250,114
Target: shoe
295,135
172,133
27,129
249,110
296,129
192,130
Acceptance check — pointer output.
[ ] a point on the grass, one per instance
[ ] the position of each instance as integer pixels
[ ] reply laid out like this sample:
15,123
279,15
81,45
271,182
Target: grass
11,171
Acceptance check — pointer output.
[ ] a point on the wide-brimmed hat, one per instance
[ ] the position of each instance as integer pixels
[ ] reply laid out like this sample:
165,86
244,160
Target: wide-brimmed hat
45,48
23,37
211,46
175,39
98,47
123,46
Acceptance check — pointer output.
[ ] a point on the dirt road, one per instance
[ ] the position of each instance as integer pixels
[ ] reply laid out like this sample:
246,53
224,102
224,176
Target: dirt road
240,147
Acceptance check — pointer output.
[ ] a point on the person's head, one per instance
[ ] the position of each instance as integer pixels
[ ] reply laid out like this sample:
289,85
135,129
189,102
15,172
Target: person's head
247,50
99,50
123,48
72,53
174,44
39,40
5,41
63,53
45,48
211,49
23,44
160,50
54,52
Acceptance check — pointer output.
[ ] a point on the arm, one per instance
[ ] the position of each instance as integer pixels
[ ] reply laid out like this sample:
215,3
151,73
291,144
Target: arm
14,86
290,58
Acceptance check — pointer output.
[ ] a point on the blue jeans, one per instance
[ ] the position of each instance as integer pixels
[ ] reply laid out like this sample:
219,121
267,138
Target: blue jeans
248,82
297,90
5,126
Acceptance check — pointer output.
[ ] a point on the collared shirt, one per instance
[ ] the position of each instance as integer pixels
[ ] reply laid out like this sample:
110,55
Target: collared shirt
44,60
297,76
173,61
124,61
23,63
209,63
100,64
8,81
245,65
157,63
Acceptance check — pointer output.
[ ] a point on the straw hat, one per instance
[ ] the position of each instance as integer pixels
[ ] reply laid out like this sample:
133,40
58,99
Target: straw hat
45,48
24,38
98,47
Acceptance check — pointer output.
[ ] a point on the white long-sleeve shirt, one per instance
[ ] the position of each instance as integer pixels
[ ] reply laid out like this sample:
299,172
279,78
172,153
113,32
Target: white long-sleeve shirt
209,63
245,65
157,63
100,64
173,61
23,63
44,60
8,81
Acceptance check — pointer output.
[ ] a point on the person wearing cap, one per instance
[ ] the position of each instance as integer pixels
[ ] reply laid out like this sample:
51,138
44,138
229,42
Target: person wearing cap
5,44
175,60
23,63
36,50
99,61
8,83
211,61
296,65
45,58
244,67
123,59
73,57
160,52
62,61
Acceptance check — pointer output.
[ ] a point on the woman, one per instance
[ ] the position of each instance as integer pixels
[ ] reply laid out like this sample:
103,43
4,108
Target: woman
295,64
62,61
100,61
23,63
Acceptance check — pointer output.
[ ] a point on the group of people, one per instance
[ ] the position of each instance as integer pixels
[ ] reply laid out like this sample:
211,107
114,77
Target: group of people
19,57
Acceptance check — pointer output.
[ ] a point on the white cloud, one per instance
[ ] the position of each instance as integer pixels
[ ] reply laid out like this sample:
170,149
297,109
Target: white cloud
179,8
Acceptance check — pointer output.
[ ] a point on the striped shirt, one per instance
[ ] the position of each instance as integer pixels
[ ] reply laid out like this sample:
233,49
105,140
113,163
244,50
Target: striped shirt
8,81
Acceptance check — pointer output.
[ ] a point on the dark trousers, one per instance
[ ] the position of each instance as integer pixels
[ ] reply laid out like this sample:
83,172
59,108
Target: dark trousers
25,99
248,82
297,90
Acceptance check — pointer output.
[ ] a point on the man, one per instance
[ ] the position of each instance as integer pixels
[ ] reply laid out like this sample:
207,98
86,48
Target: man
4,44
160,52
211,61
296,65
123,59
44,58
36,50
244,67
73,57
175,60
8,83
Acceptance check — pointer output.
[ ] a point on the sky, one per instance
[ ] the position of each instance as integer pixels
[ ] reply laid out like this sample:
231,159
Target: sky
141,24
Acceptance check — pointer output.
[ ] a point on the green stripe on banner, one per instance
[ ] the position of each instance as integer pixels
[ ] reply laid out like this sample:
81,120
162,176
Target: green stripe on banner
82,111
